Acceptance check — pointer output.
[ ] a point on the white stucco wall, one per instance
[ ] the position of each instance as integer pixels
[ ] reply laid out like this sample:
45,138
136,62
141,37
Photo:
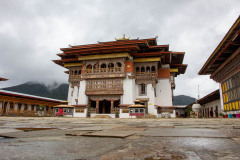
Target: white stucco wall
80,114
70,89
129,91
123,115
173,115
213,104
163,91
150,94
82,98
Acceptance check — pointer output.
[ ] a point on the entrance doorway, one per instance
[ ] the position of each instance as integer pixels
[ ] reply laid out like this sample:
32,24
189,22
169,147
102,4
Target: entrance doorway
4,110
105,107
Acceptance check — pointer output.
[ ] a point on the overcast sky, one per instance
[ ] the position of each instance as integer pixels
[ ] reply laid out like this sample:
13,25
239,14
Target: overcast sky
33,31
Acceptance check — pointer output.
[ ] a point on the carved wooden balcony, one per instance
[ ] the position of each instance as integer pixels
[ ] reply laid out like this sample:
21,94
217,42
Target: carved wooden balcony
146,75
74,78
104,86
104,73
92,110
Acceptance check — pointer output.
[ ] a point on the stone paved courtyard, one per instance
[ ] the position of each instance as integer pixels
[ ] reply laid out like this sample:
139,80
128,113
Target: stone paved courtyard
131,139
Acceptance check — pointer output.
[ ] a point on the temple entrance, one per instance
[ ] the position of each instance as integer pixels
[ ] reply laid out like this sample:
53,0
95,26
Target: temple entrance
105,107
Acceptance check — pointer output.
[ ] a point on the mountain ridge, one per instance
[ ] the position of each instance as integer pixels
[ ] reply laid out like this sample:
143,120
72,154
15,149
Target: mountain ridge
60,91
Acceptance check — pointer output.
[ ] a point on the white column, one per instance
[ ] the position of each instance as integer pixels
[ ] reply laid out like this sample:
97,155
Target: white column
1,103
82,98
221,98
128,91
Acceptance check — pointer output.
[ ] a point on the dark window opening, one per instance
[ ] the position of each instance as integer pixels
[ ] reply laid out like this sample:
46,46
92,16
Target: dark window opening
143,89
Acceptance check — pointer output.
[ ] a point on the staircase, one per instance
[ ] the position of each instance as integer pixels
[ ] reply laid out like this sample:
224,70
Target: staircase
102,116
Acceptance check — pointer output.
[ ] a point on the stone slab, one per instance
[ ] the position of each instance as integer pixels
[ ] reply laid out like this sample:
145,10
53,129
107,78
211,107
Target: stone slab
110,134
186,132
93,128
8,130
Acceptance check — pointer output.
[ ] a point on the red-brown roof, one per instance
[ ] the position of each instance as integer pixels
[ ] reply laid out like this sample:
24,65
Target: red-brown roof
22,95
3,79
210,97
137,48
225,49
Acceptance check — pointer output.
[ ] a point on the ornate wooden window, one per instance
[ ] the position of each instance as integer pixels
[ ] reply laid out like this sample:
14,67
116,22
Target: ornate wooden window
89,68
231,93
146,71
143,88
104,86
79,110
111,68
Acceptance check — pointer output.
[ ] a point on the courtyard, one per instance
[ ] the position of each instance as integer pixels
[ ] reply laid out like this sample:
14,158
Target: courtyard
99,138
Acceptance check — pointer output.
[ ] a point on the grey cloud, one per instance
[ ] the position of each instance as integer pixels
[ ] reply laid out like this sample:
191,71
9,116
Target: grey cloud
31,33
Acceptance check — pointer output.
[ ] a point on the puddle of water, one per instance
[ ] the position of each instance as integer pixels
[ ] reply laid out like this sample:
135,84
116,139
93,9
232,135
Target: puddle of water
5,137
33,129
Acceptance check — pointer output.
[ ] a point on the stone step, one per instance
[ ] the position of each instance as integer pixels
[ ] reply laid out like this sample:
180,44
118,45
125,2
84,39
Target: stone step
102,116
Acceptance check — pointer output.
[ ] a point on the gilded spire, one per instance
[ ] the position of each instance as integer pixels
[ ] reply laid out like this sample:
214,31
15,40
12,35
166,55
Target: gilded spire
121,39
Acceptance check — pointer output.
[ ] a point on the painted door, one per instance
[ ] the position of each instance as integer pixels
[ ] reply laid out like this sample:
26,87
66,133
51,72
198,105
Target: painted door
60,111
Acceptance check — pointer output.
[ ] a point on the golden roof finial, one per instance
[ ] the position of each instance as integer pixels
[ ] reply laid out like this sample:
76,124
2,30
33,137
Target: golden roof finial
121,39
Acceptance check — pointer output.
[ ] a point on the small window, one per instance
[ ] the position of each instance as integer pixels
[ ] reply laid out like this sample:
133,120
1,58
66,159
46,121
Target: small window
65,110
131,111
143,89
56,110
136,110
141,110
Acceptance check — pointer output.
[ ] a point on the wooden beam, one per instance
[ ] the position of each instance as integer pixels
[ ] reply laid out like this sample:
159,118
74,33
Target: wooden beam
152,59
103,56
227,61
174,70
235,43
72,64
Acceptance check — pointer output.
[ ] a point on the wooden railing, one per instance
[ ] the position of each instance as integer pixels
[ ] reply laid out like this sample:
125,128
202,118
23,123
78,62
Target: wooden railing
114,110
92,110
93,85
74,77
104,70
145,74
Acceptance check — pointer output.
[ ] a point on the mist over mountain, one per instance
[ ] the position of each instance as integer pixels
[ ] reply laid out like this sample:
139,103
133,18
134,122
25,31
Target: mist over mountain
183,100
60,91
50,90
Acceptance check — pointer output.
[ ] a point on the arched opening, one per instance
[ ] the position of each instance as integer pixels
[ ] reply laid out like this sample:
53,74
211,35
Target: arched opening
76,72
96,68
79,72
119,67
89,68
142,69
148,69
103,68
111,67
153,69
137,71
72,72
